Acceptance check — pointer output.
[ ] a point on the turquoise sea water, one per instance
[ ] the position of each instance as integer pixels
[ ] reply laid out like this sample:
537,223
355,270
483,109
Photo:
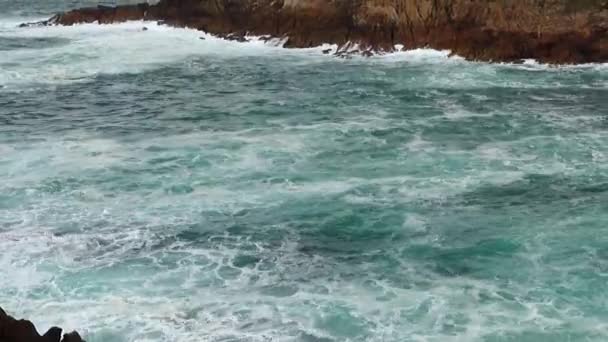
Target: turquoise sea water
159,187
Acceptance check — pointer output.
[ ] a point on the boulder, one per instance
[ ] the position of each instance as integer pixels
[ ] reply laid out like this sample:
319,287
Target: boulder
13,330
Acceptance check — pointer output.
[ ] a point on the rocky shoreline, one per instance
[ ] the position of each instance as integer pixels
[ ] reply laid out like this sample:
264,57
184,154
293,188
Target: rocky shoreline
14,330
549,31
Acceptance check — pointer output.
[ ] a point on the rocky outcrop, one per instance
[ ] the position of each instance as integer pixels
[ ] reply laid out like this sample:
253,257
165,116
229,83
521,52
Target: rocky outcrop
13,330
551,31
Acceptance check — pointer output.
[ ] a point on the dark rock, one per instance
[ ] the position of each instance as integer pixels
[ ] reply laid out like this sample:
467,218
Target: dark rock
51,21
13,330
234,37
53,334
72,337
18,330
367,53
144,29
327,51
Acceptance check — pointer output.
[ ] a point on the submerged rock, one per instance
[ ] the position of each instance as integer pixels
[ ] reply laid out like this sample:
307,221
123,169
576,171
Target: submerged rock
234,37
551,31
13,330
51,21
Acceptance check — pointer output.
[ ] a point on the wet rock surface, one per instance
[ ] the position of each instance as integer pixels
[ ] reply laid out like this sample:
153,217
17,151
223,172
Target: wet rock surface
550,31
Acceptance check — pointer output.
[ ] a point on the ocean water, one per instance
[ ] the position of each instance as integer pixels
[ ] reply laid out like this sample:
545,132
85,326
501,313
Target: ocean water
155,186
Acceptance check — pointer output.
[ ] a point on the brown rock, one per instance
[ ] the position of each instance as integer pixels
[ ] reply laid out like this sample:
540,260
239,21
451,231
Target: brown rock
551,31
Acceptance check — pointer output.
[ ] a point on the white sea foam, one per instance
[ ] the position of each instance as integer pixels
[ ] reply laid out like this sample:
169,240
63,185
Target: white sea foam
110,265
118,48
150,303
126,48
421,55
418,144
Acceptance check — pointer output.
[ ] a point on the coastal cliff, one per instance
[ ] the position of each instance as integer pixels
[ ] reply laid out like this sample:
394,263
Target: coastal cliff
550,31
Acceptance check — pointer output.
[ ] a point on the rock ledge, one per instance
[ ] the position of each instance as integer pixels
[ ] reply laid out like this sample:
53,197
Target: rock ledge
549,31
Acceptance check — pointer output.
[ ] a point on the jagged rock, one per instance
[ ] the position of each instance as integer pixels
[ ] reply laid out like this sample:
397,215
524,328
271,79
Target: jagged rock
72,337
234,37
13,330
551,31
367,53
51,21
53,334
